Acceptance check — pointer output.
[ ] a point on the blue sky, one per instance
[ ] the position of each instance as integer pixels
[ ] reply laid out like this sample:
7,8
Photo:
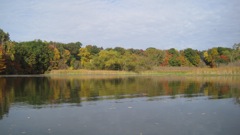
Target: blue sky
163,24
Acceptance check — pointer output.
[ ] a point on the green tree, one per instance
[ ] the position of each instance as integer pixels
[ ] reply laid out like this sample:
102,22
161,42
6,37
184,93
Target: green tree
224,55
130,61
236,52
192,56
73,48
93,49
3,37
2,61
155,56
174,59
119,50
173,51
109,60
33,56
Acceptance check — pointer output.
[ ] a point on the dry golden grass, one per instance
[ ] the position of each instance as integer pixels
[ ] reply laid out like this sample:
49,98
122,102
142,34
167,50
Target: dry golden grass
217,71
91,72
193,71
221,71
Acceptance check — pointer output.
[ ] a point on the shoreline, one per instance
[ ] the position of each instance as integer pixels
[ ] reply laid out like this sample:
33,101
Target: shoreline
162,71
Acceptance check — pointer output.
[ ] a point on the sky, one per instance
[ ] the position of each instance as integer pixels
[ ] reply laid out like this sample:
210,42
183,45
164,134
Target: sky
139,24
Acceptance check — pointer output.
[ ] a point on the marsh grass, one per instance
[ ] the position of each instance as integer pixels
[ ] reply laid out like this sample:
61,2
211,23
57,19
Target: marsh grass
194,71
90,72
161,71
217,71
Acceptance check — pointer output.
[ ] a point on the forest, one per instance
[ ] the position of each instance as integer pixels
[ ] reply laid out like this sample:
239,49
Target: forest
39,57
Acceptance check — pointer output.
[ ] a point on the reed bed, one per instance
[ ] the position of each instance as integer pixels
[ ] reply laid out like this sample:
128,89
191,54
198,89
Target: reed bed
176,71
223,71
217,71
89,72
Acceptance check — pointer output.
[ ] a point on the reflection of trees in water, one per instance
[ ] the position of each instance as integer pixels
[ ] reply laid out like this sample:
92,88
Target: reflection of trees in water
193,89
43,90
217,90
6,97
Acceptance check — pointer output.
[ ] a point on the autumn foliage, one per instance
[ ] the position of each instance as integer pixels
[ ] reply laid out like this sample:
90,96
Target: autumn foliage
38,57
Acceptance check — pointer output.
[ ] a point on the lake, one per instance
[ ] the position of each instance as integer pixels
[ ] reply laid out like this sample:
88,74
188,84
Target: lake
119,105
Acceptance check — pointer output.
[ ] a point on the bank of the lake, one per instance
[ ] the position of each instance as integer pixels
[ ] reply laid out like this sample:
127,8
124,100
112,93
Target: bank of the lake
179,71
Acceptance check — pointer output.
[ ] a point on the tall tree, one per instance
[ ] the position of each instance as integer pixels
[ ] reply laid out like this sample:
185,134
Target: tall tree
33,56
192,56
2,61
73,48
109,60
56,57
120,50
3,37
155,56
85,57
236,51
130,61
93,49
174,59
210,57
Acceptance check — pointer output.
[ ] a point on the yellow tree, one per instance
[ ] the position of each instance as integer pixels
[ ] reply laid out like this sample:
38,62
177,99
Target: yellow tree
2,60
56,58
210,57
85,56
66,55
56,54
4,37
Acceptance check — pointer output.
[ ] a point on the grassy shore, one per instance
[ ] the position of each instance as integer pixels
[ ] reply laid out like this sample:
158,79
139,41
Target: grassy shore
194,71
90,72
221,71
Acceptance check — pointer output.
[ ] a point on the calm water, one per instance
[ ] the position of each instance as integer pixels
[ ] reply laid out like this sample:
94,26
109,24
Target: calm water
108,105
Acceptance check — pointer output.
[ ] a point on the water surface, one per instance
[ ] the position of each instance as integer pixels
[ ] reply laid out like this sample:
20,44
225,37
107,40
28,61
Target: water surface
107,105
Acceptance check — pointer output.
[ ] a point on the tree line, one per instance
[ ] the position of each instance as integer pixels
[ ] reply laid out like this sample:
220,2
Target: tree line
38,57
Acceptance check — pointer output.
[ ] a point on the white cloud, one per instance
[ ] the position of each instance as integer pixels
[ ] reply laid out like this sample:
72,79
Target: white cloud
162,24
